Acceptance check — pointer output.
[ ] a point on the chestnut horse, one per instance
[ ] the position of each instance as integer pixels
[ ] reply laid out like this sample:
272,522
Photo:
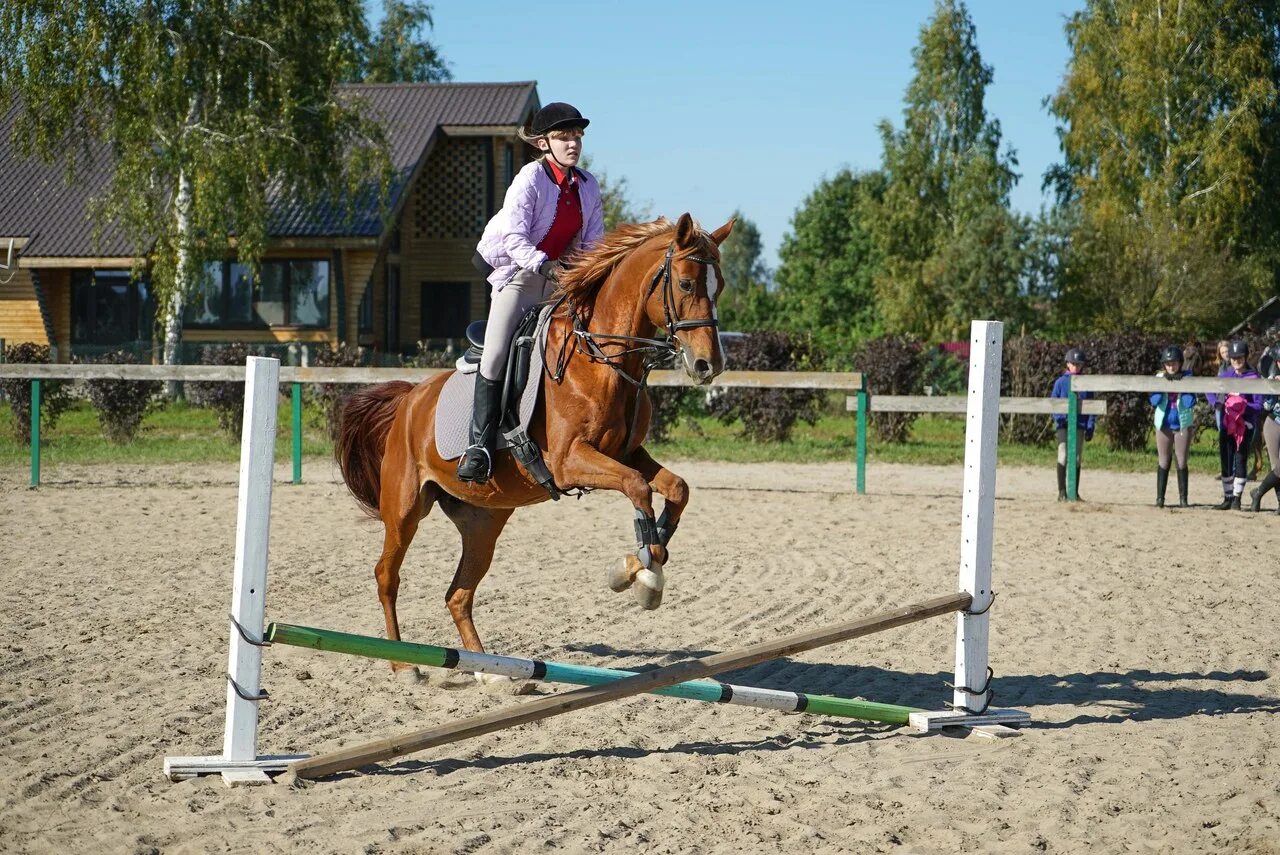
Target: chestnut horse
638,282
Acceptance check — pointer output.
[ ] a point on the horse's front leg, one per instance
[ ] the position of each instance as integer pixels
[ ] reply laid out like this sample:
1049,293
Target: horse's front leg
585,466
674,490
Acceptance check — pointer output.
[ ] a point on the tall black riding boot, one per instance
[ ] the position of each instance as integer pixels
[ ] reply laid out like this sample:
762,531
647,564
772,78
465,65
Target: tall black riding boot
1183,477
1078,498
477,461
1255,495
1162,483
1062,483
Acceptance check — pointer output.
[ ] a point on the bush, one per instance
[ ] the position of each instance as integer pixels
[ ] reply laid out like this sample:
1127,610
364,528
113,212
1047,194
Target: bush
121,404
55,395
329,396
1128,414
1028,369
225,399
668,404
768,415
891,365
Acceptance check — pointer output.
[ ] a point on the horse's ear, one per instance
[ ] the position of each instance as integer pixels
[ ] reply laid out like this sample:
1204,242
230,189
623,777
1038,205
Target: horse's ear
723,232
685,230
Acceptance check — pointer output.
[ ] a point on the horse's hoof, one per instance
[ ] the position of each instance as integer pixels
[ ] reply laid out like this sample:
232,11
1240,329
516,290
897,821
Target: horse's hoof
623,574
649,584
408,675
497,684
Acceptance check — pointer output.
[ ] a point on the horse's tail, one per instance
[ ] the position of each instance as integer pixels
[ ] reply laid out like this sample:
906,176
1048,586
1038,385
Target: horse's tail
362,438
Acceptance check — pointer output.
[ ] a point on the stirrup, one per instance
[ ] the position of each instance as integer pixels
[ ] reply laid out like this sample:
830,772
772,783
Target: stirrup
488,466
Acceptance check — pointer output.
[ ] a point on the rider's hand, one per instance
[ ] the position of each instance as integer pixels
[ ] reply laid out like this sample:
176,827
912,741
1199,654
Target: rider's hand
551,270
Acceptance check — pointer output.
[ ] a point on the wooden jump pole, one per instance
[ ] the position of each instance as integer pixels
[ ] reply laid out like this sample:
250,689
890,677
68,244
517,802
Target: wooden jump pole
397,746
709,691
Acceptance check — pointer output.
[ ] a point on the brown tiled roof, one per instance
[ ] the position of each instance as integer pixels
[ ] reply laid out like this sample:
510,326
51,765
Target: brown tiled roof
35,201
410,114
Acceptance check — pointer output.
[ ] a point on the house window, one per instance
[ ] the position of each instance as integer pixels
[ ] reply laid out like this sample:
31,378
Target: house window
287,293
110,308
446,310
366,310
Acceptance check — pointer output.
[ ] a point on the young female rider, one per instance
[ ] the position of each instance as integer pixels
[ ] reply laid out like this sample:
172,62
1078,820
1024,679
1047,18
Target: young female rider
1174,419
1075,360
1237,422
1270,369
552,208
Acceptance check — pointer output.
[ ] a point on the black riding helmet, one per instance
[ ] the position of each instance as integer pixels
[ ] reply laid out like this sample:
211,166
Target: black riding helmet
1076,356
1238,349
556,116
1172,353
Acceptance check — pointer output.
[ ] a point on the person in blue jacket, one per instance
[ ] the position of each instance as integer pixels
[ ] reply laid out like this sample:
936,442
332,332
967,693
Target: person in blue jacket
1075,360
1174,417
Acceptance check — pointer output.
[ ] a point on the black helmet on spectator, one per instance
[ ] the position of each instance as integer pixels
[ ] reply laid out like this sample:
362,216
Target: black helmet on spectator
1172,353
1238,349
1076,356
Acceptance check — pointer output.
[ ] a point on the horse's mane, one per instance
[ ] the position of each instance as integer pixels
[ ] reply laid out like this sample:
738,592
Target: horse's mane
588,270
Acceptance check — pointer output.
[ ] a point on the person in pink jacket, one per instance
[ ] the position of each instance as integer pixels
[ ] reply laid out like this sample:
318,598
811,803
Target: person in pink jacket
551,209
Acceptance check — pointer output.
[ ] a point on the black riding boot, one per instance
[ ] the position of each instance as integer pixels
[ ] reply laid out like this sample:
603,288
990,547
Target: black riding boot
1078,499
1183,478
477,461
1162,483
1255,495
1062,483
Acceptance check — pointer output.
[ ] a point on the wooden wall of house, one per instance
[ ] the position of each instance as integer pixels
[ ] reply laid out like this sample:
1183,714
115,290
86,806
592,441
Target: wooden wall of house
357,270
20,318
56,284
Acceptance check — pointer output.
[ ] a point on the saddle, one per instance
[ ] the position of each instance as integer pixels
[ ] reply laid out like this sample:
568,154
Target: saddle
515,410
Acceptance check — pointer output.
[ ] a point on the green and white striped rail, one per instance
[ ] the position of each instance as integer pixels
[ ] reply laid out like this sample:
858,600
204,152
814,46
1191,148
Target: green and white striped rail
709,691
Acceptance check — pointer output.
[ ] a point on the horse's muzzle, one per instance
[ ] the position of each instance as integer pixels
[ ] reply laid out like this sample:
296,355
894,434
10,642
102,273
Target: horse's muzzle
700,369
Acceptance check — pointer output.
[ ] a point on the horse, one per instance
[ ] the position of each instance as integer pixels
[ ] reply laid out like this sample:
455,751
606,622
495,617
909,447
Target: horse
591,419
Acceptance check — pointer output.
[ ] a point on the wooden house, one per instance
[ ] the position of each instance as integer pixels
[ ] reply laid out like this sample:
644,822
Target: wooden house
324,278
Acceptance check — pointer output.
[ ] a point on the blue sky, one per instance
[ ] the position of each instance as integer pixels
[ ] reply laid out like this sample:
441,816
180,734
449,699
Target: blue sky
712,106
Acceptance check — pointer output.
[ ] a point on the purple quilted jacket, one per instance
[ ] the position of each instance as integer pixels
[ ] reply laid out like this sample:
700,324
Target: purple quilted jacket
510,240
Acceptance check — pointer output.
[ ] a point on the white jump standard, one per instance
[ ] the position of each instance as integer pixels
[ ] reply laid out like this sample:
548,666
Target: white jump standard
239,762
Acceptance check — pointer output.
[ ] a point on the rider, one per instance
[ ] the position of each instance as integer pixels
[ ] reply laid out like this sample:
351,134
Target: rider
1075,360
1173,420
551,209
1237,422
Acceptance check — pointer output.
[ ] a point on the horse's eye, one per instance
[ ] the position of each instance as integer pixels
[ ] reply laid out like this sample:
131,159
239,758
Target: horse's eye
687,285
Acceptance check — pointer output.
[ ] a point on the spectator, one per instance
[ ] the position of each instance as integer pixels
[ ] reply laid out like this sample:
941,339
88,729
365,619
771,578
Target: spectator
1173,419
1269,367
1237,419
1075,359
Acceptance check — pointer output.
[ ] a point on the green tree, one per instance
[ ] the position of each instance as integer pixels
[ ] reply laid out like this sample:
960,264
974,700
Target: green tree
618,207
400,51
213,112
828,263
745,303
950,248
1169,121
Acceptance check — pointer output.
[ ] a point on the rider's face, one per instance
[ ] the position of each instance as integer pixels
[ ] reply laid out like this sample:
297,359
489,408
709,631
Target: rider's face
565,146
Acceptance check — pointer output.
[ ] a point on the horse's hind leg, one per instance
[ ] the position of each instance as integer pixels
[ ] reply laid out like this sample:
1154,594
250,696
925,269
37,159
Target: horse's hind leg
402,504
480,529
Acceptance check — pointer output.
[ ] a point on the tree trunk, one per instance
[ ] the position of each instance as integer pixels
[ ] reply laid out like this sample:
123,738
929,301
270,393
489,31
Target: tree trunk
181,281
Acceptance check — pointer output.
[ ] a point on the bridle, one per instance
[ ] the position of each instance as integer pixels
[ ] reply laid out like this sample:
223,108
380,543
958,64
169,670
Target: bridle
658,351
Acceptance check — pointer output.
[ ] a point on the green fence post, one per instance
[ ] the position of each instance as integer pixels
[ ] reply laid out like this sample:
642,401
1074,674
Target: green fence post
1073,441
35,433
864,404
297,433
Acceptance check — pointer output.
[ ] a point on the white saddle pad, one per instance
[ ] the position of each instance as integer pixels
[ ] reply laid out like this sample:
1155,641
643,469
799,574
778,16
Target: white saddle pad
453,411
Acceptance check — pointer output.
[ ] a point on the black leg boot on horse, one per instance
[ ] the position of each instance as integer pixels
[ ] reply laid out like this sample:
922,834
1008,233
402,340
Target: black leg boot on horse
477,461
